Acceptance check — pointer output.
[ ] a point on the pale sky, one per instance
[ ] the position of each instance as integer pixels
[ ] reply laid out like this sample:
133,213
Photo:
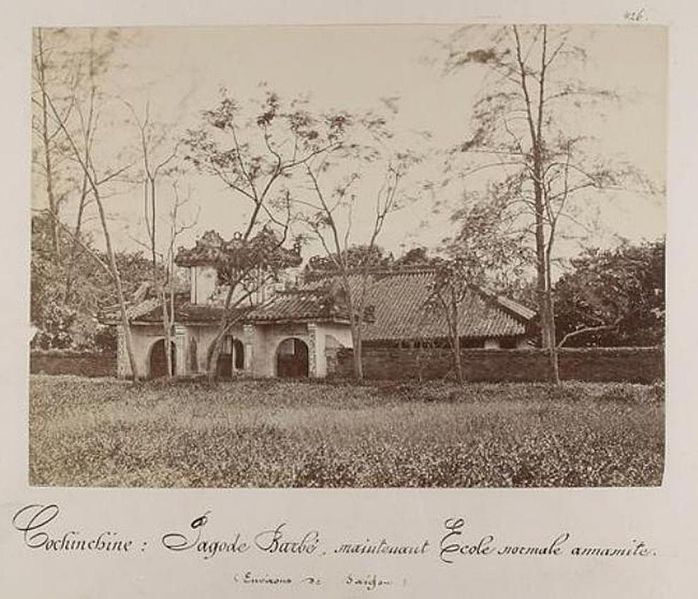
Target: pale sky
180,71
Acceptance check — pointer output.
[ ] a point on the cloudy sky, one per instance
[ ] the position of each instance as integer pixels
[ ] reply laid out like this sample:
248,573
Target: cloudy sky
180,71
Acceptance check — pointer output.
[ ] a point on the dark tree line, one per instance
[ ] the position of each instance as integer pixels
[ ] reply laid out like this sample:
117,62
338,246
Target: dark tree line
71,321
613,297
605,297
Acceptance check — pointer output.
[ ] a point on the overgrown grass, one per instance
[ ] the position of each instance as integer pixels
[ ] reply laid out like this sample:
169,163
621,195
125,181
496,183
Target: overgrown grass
102,432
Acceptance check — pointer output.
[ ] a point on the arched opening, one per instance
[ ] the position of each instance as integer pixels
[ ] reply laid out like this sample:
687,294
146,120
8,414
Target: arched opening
231,358
292,358
158,359
193,357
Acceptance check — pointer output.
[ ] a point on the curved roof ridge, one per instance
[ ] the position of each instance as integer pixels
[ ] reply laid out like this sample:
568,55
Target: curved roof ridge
383,271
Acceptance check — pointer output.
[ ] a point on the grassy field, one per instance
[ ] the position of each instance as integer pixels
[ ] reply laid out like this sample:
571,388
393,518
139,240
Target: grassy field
103,432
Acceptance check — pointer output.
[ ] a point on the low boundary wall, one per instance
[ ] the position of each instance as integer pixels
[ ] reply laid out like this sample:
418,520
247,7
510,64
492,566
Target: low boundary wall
634,364
92,364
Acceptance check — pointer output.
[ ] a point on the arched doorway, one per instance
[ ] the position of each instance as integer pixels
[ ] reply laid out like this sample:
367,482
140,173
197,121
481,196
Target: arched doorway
193,356
158,360
231,359
292,358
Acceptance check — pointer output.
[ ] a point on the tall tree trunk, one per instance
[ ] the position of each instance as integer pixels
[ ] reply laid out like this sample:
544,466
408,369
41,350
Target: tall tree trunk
550,314
357,340
152,222
158,288
457,358
357,349
358,354
167,330
354,325
223,328
212,367
217,343
542,289
76,237
171,292
553,351
119,288
456,338
535,127
85,186
46,141
544,292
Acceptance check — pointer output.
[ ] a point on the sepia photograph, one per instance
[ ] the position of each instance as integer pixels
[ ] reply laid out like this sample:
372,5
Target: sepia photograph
363,256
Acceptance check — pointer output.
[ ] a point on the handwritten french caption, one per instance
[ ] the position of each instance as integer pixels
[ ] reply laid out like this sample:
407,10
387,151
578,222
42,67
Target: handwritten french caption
41,528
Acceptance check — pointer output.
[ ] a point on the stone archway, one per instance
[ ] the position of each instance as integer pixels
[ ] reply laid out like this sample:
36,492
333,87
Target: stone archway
292,358
158,359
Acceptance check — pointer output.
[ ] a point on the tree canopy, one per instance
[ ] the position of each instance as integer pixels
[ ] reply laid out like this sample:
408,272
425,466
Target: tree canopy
66,315
355,257
613,297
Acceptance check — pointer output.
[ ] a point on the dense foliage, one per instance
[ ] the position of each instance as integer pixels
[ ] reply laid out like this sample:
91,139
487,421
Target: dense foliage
356,257
613,297
374,258
67,293
295,434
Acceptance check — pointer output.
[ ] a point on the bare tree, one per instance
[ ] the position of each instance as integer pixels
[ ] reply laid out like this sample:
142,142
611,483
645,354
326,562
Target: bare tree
157,163
168,289
255,153
46,133
523,129
79,130
67,68
336,237
481,255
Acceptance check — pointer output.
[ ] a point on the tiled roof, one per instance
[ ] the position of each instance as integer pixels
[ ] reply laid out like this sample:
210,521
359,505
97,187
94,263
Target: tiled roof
112,314
396,301
307,303
150,312
399,302
190,313
516,307
399,309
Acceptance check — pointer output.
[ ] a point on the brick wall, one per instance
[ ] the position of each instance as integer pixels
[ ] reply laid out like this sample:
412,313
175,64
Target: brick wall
70,362
641,365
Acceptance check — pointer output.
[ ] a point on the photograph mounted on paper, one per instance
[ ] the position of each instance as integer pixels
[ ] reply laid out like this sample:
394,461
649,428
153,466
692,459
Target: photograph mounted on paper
348,256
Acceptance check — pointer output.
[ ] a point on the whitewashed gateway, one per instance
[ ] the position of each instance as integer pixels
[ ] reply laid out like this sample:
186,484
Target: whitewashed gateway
289,328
